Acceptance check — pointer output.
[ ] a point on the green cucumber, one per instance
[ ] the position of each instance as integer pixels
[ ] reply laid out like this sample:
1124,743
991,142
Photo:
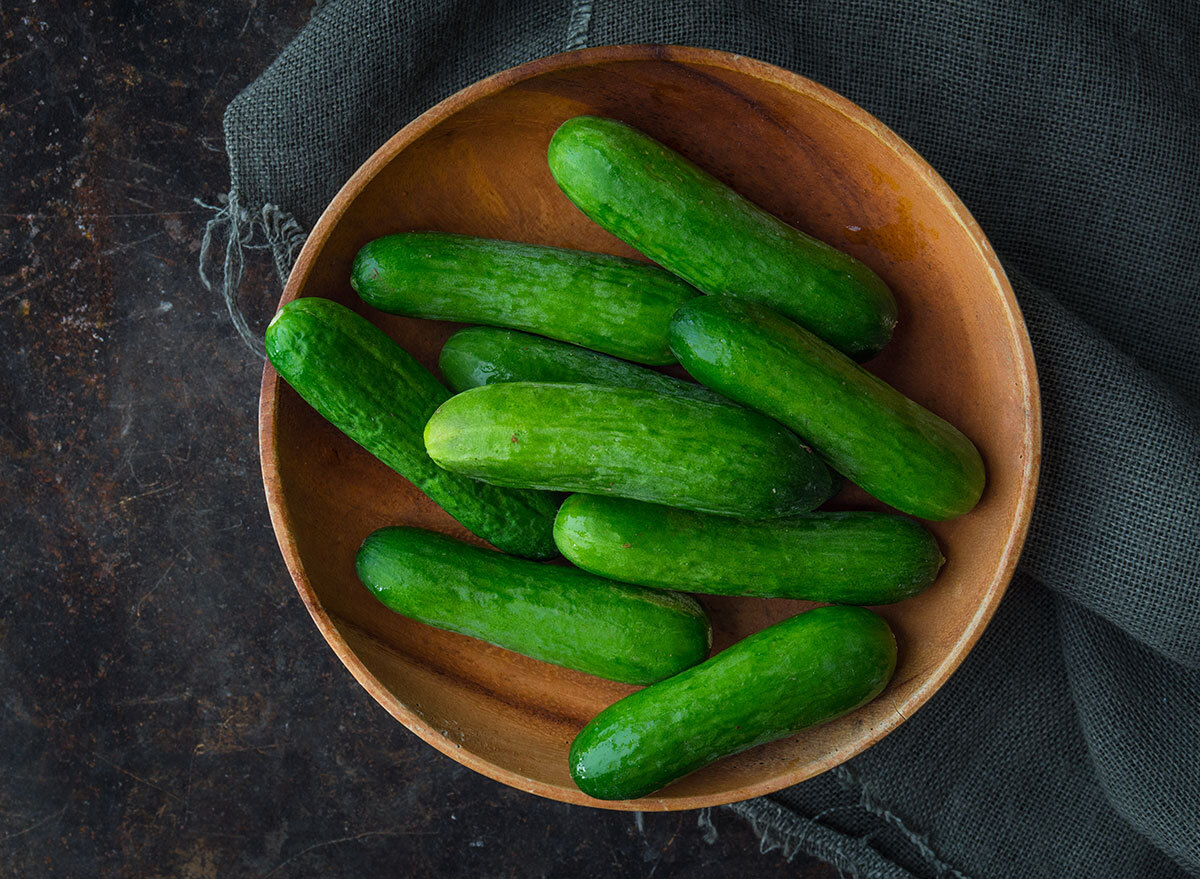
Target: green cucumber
552,613
890,446
692,224
798,673
627,443
486,355
844,558
372,390
615,305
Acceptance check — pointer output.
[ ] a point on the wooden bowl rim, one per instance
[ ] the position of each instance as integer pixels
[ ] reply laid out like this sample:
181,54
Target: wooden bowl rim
419,126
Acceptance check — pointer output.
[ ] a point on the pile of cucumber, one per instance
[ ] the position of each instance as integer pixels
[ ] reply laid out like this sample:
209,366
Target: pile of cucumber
676,487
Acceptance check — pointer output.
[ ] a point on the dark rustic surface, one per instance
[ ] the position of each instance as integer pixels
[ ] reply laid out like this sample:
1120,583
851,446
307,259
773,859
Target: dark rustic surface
169,709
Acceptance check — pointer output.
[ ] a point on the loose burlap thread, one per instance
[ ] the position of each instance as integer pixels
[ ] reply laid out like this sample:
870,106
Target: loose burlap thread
1068,743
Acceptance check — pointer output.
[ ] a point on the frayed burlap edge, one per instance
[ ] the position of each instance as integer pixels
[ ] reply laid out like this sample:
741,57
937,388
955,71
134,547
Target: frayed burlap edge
231,231
781,829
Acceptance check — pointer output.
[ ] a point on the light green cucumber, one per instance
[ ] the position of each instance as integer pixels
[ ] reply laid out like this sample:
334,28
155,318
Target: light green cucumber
488,355
795,674
372,390
865,429
844,558
627,442
552,613
692,224
609,303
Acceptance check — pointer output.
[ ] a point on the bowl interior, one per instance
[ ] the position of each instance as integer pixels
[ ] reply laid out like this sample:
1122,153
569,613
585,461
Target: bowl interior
476,165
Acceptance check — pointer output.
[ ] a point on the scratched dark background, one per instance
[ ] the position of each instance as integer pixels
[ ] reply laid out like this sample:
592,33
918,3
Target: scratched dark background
169,709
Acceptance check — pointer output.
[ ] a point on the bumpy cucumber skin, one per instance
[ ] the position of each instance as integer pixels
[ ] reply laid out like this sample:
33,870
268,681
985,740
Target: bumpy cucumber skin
890,446
377,394
487,355
609,303
795,674
627,443
556,614
843,558
697,227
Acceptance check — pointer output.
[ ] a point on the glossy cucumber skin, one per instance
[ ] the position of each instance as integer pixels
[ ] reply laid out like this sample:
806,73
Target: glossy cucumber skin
627,443
795,674
843,558
488,355
552,613
692,224
372,390
890,446
609,303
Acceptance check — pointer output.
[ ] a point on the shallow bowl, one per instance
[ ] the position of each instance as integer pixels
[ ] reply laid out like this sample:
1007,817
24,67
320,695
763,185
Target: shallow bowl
476,164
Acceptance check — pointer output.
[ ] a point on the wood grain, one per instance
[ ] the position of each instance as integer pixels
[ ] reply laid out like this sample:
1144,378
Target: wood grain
475,164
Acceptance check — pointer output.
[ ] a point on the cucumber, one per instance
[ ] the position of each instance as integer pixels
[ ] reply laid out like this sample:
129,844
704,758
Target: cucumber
557,614
615,305
845,558
690,223
803,671
486,355
890,446
372,390
628,443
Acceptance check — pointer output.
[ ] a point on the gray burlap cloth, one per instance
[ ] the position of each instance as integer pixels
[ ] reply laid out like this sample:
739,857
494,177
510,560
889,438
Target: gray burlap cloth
1068,744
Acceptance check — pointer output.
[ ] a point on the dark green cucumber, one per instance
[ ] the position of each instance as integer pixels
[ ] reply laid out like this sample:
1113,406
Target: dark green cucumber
690,223
615,305
844,558
798,673
557,614
890,446
486,355
627,443
377,394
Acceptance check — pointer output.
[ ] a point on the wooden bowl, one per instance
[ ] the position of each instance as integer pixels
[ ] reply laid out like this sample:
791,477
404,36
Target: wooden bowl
476,164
